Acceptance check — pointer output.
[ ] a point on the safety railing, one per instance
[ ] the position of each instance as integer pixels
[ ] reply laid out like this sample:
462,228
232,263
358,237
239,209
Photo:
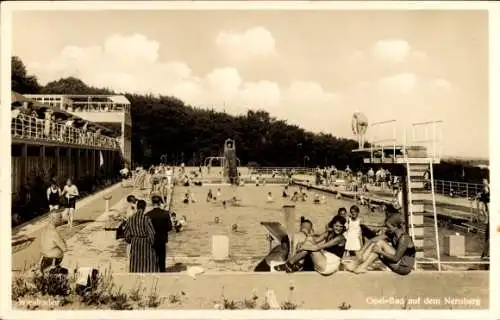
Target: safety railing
28,127
429,137
458,189
380,140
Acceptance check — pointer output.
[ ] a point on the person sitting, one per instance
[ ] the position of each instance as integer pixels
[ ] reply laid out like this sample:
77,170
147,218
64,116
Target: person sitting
270,197
186,198
325,251
52,244
396,250
277,256
295,196
178,224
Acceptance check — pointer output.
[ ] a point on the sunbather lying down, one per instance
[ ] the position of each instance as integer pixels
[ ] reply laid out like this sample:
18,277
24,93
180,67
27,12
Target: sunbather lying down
325,250
395,249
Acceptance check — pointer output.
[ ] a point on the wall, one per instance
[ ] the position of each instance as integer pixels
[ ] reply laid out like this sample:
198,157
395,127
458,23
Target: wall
75,163
313,291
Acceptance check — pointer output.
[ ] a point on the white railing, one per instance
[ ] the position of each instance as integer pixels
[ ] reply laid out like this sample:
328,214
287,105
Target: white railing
281,170
431,138
459,189
385,142
28,127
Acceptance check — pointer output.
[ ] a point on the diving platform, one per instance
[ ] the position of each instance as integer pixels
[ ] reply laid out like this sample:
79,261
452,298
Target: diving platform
396,155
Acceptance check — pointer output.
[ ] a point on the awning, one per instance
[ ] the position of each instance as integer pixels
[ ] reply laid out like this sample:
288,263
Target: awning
120,99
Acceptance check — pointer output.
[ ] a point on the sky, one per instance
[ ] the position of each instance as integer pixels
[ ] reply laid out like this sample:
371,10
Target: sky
309,67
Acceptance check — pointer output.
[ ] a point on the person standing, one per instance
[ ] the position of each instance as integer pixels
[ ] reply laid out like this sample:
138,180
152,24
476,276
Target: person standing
162,224
70,193
53,196
139,232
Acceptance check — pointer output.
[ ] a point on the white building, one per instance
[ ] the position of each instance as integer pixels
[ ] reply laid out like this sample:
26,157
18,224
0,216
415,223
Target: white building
108,110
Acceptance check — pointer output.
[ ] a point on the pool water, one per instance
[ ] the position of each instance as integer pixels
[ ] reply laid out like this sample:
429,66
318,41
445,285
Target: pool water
247,245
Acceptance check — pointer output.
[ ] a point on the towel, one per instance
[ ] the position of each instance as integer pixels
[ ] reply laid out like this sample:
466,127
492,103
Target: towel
83,275
194,271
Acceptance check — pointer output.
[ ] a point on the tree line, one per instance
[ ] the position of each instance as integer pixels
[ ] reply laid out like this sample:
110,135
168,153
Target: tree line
166,126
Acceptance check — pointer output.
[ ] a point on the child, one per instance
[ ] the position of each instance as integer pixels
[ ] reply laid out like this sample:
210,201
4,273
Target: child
270,197
353,234
295,196
178,224
342,212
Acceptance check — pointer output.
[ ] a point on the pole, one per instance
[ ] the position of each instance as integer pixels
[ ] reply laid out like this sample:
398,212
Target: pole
405,206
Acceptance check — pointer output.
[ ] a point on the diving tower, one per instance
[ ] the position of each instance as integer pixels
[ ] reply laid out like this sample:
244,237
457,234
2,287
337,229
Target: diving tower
413,159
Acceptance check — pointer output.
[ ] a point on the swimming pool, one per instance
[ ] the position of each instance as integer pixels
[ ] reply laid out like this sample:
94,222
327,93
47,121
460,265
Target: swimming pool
247,245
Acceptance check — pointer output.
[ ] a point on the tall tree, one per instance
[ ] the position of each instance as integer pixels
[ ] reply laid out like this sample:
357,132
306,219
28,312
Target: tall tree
21,81
72,85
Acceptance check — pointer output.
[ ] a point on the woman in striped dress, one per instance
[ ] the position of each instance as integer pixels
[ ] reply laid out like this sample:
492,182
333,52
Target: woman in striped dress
139,232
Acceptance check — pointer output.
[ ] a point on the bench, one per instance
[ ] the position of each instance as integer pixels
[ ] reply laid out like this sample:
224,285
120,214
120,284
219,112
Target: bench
276,232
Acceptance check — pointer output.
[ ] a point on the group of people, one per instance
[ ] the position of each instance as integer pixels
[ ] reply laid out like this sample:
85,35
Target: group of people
53,126
65,197
346,242
147,234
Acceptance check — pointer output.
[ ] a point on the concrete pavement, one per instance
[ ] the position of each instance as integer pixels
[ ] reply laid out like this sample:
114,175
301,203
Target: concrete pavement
25,239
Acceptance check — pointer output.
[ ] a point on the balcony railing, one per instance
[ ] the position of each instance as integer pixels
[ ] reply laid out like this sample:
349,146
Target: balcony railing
28,127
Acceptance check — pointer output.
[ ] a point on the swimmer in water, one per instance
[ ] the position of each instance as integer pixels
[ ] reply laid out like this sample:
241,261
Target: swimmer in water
316,199
270,197
285,192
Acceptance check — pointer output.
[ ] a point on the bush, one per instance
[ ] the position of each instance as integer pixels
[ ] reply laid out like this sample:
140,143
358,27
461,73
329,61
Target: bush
101,294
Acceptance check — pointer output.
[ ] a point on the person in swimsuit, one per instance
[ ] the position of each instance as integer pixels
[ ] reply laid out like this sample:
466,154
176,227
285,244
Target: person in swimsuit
53,196
52,245
395,249
485,195
70,192
325,251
